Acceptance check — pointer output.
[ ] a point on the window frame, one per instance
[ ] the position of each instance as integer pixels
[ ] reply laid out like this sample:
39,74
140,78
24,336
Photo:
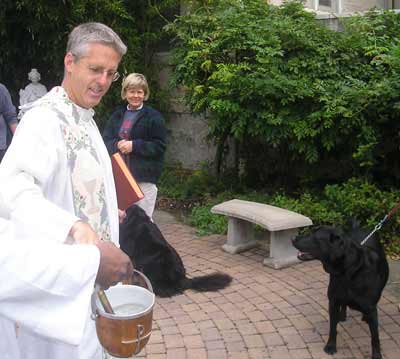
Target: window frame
336,6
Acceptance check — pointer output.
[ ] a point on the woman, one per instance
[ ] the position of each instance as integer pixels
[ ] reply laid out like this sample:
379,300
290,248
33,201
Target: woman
138,132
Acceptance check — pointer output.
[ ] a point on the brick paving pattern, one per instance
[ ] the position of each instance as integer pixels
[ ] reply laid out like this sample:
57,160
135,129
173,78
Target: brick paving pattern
264,313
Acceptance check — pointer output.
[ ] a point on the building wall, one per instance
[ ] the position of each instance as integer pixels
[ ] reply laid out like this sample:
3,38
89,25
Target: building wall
186,140
357,5
348,6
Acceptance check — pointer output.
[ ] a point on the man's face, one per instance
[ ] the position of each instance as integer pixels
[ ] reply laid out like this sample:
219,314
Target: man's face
88,79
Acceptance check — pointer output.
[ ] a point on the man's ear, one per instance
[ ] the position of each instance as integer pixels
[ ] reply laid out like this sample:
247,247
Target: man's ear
68,61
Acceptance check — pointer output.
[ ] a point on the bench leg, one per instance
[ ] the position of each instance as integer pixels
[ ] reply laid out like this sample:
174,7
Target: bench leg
240,236
282,253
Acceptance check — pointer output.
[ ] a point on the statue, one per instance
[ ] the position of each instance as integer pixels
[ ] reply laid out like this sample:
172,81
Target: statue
33,91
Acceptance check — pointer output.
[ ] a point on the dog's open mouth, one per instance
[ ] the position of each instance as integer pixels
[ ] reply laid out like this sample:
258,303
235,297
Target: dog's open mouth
305,256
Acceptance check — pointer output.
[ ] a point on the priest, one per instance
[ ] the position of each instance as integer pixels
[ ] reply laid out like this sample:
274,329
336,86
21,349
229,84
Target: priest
33,274
57,176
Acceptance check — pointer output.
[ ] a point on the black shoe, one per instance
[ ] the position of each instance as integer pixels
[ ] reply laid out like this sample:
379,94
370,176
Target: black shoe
304,256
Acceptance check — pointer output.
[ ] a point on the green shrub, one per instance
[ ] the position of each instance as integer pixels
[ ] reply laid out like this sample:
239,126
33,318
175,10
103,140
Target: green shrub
206,223
310,104
337,205
314,207
172,182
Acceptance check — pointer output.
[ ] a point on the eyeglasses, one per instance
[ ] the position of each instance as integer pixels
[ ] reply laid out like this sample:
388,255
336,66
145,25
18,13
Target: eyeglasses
99,71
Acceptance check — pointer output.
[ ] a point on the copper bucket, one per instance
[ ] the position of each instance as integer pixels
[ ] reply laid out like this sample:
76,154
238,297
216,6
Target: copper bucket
126,332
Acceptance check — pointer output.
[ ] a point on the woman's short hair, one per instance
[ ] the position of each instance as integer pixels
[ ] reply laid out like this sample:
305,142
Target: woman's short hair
134,81
93,32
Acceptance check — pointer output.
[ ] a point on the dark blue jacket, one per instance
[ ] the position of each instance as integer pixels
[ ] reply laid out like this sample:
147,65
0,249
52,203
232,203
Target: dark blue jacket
148,135
8,116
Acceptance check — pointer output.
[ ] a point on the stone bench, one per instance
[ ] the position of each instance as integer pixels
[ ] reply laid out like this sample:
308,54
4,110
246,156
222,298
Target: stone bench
281,226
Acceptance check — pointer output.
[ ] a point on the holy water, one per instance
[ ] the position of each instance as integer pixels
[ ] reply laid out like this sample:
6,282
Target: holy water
128,309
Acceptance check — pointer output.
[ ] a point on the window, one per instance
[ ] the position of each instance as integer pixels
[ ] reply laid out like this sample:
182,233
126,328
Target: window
391,4
325,3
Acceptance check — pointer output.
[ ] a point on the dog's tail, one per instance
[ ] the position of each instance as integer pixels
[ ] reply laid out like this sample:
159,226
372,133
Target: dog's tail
208,283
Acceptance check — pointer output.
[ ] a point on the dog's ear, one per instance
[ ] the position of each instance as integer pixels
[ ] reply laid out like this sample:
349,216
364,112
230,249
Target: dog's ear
337,239
352,224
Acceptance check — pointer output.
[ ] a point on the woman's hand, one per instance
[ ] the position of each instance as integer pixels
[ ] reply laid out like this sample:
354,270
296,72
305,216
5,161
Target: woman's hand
124,146
121,215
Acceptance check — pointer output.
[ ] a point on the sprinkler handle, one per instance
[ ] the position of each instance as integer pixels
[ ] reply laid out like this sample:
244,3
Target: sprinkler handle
105,302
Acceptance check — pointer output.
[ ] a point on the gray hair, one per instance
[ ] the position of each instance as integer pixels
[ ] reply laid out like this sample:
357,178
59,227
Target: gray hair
93,32
135,81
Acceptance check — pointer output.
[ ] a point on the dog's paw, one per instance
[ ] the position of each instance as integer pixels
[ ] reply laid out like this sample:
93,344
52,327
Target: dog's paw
330,349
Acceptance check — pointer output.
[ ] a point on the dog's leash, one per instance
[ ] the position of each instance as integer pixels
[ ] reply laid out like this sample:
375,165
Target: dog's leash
382,222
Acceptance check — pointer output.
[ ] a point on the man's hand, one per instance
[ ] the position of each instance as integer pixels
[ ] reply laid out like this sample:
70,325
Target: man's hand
83,233
115,266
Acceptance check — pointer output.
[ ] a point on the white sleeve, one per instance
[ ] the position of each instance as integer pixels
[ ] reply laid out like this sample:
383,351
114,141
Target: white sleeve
47,286
28,169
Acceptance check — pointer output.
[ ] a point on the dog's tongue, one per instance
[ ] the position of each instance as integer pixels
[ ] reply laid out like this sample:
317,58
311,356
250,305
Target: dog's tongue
304,256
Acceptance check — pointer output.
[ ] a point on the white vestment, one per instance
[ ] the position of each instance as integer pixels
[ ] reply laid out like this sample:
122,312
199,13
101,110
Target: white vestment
33,277
36,185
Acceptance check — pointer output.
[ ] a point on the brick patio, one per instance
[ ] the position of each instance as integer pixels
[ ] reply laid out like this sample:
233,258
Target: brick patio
264,313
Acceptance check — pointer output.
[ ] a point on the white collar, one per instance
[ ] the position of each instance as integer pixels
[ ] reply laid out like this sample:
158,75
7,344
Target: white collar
136,109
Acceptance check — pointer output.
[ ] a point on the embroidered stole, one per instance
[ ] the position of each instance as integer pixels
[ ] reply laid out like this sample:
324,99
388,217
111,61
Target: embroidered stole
86,171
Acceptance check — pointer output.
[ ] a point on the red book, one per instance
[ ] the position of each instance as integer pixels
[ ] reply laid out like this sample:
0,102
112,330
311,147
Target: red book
128,191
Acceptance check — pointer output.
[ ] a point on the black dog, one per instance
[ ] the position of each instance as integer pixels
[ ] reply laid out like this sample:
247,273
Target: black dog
152,255
358,274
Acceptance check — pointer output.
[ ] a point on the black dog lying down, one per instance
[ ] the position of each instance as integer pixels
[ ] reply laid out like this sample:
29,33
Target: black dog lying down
152,255
358,275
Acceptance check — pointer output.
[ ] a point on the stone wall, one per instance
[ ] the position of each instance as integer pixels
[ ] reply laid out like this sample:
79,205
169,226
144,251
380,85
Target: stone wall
186,141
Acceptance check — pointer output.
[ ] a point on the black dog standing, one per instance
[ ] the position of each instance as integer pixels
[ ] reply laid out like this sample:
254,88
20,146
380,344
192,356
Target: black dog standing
358,274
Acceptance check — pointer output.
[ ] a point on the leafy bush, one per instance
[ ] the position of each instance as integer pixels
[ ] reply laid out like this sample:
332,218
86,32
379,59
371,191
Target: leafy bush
310,104
172,182
337,205
207,224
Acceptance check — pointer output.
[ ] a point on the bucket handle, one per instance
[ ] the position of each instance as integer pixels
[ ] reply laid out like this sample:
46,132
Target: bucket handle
146,280
95,314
